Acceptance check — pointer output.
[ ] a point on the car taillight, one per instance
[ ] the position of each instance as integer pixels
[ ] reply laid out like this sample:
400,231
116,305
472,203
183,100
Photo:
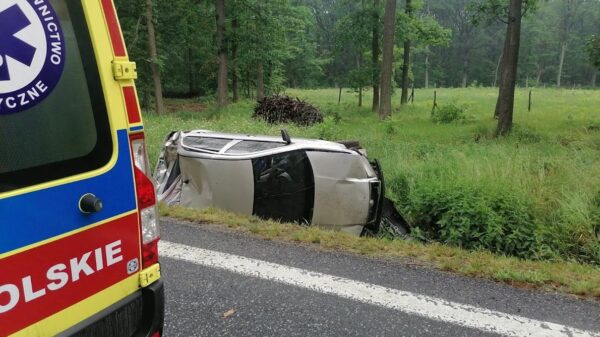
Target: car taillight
146,199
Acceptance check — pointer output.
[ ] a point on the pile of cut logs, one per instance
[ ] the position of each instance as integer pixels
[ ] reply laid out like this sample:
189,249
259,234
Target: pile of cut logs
284,109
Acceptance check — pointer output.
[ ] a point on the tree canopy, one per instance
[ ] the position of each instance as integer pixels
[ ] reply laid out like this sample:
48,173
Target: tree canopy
327,43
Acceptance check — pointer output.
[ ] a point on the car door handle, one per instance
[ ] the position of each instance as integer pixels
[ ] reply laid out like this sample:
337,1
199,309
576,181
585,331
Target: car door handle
90,203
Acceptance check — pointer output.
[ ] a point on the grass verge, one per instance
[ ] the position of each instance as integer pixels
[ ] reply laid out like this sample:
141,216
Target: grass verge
567,278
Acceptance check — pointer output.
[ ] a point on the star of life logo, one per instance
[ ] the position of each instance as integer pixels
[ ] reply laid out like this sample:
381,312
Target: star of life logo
32,53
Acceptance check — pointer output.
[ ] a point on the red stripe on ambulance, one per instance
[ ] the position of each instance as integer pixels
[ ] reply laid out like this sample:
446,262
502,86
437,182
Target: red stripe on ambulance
45,280
131,105
113,28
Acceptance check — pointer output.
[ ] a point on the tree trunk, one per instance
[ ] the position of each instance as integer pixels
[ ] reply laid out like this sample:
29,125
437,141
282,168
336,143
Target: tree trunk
465,68
146,101
501,66
260,81
427,68
191,73
158,95
248,83
360,97
538,79
235,78
406,60
360,89
567,21
389,26
235,84
594,75
561,62
221,54
506,96
375,52
405,69
498,65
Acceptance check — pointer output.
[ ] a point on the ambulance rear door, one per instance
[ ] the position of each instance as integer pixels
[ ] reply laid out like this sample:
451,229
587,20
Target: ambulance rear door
69,227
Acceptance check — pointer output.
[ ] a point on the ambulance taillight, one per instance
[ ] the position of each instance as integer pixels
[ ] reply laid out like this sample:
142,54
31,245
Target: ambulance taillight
146,198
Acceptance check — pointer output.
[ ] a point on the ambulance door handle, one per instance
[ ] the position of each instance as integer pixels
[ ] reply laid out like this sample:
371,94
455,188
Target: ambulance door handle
90,203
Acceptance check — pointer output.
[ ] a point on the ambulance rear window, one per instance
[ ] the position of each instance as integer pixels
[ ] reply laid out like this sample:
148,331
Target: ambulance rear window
53,118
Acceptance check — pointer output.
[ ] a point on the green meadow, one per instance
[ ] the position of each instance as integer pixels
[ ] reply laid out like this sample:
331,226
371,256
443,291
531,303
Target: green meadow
534,194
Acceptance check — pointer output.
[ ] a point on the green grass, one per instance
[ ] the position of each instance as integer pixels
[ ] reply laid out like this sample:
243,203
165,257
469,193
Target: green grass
568,278
454,180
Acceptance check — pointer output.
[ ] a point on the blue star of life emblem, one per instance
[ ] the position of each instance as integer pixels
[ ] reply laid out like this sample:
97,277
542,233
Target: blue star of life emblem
32,53
12,21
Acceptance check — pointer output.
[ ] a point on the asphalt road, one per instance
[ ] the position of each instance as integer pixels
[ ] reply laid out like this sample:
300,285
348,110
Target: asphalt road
227,284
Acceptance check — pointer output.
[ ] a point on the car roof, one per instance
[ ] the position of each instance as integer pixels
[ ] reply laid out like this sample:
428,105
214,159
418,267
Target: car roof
275,144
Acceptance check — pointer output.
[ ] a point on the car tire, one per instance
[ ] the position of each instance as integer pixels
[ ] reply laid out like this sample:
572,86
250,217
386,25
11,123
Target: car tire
351,144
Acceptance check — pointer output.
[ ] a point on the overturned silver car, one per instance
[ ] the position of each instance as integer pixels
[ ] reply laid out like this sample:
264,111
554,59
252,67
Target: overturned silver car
311,182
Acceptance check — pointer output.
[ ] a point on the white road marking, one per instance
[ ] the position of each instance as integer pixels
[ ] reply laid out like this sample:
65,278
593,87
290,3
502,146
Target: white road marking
404,301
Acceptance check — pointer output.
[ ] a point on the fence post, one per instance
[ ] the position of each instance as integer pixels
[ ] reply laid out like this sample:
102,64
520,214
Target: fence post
529,106
340,96
434,101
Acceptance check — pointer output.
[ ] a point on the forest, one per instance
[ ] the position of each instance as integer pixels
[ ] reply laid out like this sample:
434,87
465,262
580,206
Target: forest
275,44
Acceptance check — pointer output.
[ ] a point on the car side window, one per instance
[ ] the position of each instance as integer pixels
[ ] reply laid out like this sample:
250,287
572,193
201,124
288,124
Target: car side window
206,143
284,187
250,146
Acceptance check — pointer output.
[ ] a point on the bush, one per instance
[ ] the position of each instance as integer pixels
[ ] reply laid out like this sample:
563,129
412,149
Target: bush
494,218
329,130
578,240
447,114
468,217
568,241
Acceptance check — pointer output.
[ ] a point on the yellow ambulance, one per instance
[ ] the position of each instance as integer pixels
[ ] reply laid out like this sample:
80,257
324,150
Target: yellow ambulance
78,219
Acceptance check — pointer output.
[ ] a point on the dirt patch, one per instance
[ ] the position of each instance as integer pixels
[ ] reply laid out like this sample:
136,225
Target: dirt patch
183,105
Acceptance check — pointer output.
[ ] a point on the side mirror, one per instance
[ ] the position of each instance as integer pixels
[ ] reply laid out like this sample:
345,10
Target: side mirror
286,136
